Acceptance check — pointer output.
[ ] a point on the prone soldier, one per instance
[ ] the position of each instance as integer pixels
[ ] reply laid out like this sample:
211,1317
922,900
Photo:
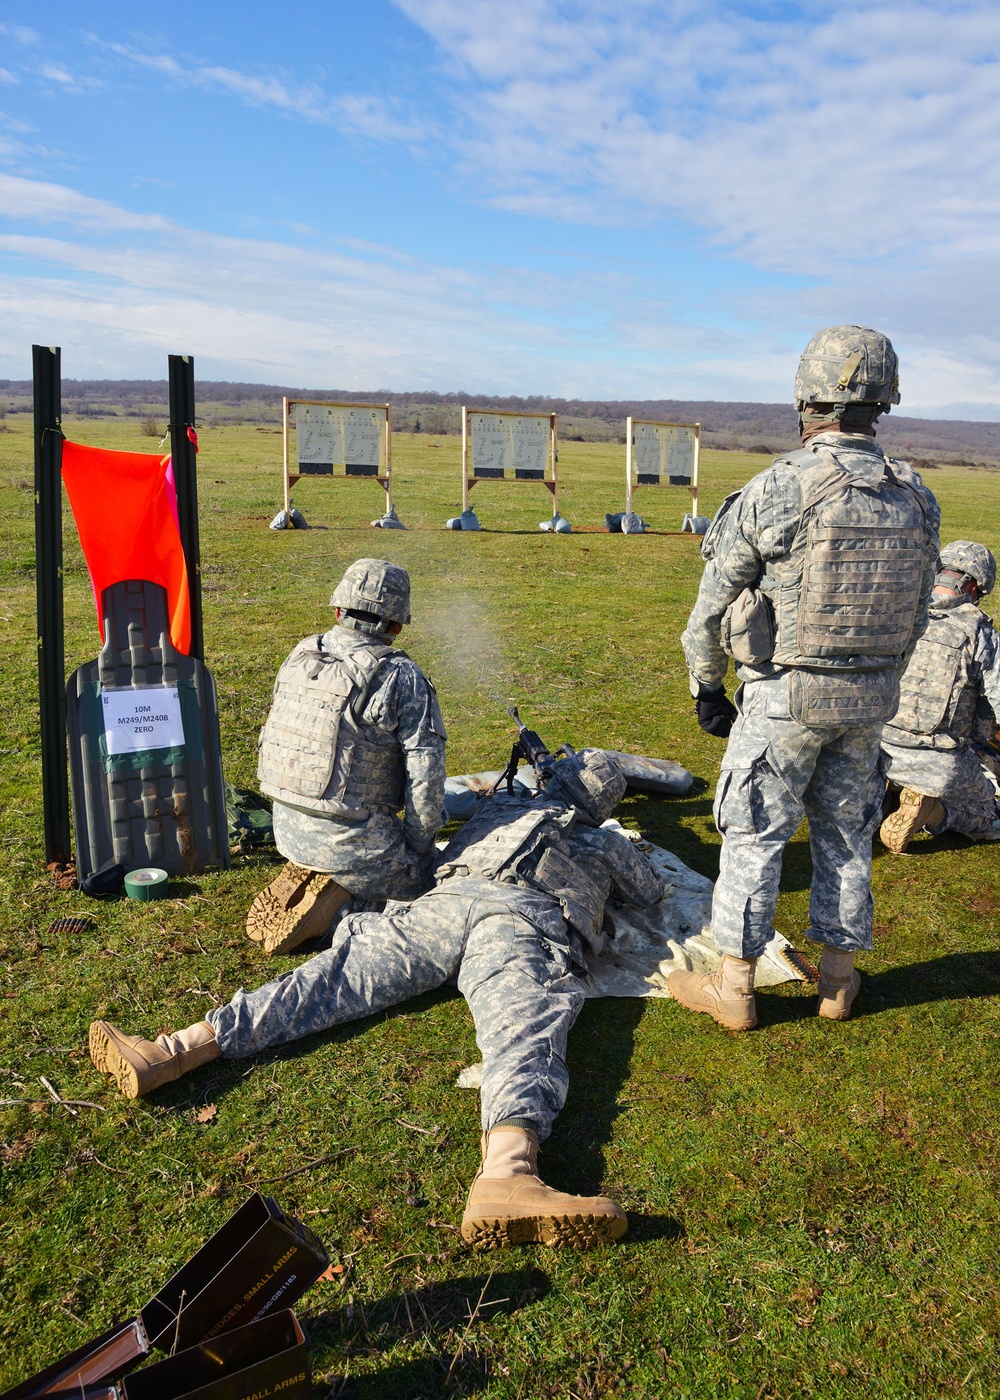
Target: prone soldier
519,903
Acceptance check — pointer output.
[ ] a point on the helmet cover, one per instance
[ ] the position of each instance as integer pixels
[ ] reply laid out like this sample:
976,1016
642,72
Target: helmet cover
374,586
591,780
847,364
967,557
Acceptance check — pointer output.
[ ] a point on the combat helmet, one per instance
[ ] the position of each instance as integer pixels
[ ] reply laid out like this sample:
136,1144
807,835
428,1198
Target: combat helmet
972,561
590,780
847,365
374,587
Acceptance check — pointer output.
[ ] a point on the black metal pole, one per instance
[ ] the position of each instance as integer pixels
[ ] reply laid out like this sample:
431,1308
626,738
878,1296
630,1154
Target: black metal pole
46,367
182,449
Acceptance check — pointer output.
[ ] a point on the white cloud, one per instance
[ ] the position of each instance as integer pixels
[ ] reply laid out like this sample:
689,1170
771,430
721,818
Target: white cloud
840,137
365,114
794,144
261,309
68,81
851,149
50,203
19,33
363,316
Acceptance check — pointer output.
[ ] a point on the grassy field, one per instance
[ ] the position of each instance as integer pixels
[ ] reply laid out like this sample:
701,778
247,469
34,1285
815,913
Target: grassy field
813,1207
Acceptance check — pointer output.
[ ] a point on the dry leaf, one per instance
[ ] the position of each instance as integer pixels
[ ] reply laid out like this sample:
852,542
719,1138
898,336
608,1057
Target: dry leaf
334,1271
206,1114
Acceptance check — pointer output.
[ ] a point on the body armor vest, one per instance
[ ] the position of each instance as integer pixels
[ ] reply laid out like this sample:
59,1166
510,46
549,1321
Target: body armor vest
846,595
938,698
525,843
315,753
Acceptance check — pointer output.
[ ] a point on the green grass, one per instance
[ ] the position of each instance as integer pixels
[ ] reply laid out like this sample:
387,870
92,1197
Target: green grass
813,1208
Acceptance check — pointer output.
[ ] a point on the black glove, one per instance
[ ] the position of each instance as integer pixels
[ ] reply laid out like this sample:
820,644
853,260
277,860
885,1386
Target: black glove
715,713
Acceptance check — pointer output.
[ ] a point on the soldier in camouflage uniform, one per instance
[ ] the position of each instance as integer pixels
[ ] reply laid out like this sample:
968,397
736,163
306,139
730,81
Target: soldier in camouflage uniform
354,735
520,901
817,580
949,691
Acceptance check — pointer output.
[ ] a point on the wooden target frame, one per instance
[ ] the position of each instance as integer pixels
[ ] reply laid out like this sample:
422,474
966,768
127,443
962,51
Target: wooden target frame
634,478
381,471
521,475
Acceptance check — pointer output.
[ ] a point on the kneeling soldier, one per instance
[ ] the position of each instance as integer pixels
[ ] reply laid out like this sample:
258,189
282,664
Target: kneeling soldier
353,737
950,682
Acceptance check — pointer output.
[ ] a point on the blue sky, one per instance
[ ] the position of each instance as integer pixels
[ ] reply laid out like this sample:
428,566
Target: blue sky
604,199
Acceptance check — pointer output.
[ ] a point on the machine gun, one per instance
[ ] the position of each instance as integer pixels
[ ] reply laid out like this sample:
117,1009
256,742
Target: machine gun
531,747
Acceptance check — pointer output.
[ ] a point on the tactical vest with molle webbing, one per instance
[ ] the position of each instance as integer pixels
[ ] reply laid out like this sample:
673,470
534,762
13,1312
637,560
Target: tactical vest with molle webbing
526,843
938,699
846,595
314,752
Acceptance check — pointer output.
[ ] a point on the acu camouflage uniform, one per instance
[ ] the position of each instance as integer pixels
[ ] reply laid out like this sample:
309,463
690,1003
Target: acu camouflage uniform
338,784
520,900
949,691
812,700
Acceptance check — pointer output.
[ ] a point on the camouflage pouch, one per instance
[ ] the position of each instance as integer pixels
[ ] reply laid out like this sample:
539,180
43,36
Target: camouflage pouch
249,817
832,699
748,628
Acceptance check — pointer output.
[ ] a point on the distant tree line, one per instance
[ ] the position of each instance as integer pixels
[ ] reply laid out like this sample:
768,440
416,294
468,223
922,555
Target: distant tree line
747,427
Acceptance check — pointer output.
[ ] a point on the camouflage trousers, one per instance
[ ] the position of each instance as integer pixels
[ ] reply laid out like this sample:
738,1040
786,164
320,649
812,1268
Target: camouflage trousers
776,771
512,951
370,859
955,777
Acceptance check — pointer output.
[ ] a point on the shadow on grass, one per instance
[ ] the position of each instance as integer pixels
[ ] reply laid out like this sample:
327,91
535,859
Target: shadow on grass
661,820
643,1228
214,1083
438,1314
598,1060
954,977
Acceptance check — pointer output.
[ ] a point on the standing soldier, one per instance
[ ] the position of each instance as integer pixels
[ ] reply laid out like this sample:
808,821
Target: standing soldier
354,736
817,579
952,681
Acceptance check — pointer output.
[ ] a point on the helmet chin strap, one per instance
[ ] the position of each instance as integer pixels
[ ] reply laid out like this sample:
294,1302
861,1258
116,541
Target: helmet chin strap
958,583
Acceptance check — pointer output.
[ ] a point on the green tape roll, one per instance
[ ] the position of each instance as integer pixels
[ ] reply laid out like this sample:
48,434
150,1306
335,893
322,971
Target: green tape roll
148,883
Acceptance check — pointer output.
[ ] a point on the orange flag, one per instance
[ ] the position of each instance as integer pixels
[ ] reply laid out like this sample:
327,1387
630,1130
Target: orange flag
125,509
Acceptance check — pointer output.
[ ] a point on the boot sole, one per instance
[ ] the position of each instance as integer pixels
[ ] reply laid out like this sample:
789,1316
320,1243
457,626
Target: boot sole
320,900
899,829
556,1231
97,1044
718,1017
108,1060
277,898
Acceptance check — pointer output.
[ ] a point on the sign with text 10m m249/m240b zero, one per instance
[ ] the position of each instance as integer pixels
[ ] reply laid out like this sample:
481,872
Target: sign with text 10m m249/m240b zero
136,720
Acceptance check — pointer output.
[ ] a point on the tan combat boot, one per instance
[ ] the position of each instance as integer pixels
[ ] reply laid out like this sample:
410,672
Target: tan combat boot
915,812
140,1066
297,905
726,994
509,1204
839,984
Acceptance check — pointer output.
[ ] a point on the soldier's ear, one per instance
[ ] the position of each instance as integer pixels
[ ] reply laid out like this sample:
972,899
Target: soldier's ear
394,629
